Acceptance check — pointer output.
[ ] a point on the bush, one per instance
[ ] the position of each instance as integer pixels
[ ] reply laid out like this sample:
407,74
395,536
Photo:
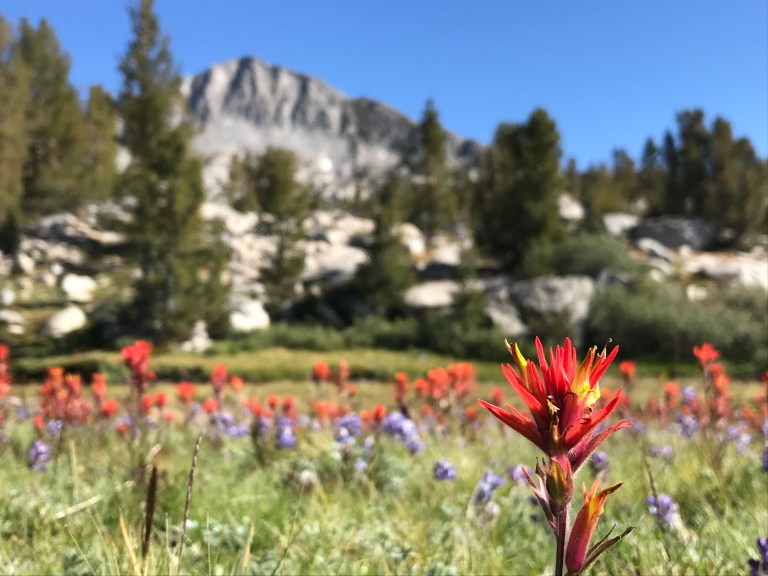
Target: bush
660,322
587,254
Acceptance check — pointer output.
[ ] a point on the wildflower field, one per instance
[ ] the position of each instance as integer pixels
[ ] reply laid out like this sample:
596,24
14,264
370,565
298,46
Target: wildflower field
403,475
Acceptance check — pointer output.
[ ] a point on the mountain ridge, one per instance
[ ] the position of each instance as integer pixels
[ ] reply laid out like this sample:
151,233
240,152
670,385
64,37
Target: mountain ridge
247,104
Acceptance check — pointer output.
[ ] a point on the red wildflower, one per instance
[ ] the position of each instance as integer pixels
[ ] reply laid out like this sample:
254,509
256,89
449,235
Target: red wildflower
236,383
379,413
576,556
185,391
422,387
561,397
161,399
136,358
628,369
352,390
210,405
671,395
470,414
320,372
497,396
273,401
98,385
146,403
109,408
219,378
706,353
168,416
401,387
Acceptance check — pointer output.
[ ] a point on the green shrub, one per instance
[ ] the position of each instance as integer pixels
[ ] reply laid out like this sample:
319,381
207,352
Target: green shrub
587,254
660,322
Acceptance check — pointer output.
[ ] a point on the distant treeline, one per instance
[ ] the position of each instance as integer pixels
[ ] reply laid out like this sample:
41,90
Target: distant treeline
57,153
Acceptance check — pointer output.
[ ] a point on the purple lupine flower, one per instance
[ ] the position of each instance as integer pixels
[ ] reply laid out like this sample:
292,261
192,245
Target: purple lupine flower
759,567
38,455
397,425
598,463
517,475
347,428
361,465
664,452
486,487
689,425
21,413
368,444
765,458
739,435
284,437
413,444
54,427
665,509
444,470
261,426
689,395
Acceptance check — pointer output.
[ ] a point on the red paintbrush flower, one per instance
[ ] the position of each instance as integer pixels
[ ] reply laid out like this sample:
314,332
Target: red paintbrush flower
185,392
577,558
561,396
706,354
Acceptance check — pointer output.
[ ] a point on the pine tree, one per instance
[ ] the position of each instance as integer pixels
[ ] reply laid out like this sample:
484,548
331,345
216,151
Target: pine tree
98,179
433,205
598,197
272,186
14,96
522,174
694,152
624,178
388,272
54,124
650,178
179,281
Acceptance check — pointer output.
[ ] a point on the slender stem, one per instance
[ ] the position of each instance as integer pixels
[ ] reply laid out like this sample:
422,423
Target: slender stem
562,525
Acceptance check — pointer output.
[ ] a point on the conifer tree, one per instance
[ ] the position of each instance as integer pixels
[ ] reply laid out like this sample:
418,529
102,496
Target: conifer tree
388,272
179,281
522,174
100,123
433,205
283,201
14,96
650,177
52,166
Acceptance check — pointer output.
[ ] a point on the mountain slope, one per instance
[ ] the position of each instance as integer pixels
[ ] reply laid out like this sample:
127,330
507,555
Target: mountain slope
247,104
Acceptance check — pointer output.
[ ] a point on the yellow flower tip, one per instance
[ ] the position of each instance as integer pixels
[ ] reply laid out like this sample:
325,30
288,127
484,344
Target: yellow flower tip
519,358
552,408
508,345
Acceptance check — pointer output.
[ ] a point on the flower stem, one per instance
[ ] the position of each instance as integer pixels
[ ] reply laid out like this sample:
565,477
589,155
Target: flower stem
562,525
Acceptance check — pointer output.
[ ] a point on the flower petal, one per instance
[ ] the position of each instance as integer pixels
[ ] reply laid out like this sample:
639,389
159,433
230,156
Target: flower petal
517,421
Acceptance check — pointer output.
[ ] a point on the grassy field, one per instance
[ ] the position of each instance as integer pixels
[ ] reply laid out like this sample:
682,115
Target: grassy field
311,509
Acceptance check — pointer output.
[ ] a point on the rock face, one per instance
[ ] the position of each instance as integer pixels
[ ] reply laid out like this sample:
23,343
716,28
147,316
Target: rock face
435,294
675,231
550,295
78,288
65,321
248,104
249,315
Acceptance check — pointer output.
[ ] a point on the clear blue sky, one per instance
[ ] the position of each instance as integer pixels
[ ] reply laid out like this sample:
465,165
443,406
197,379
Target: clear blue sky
610,72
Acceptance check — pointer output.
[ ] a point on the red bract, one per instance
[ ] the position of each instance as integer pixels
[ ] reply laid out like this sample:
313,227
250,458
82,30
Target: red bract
236,383
219,379
577,558
136,358
210,406
99,385
561,396
5,371
109,408
628,369
320,372
706,354
185,392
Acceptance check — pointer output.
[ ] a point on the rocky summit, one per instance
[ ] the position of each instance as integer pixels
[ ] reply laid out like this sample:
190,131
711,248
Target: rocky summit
248,105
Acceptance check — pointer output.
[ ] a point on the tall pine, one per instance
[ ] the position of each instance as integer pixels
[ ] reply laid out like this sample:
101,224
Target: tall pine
388,272
433,204
522,175
14,95
54,124
100,149
180,277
